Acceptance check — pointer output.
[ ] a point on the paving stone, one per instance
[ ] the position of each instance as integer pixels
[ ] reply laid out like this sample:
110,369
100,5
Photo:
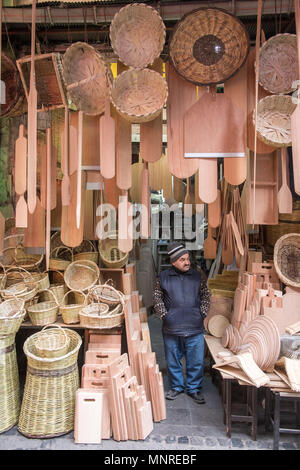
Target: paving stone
288,445
197,441
236,442
224,442
211,442
171,439
156,438
183,440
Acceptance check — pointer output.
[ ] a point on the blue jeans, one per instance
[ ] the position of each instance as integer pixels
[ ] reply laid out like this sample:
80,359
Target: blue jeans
192,347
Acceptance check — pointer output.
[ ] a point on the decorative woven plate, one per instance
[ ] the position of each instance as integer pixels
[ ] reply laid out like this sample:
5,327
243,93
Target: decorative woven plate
208,46
287,259
278,64
274,120
137,34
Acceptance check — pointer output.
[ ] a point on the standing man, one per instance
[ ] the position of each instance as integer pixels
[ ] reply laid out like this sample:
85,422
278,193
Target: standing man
181,300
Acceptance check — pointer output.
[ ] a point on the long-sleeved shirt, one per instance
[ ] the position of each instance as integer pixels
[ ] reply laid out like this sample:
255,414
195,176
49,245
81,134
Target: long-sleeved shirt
158,302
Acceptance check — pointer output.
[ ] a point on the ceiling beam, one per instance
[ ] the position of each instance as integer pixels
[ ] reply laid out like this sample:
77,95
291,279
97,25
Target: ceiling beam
94,14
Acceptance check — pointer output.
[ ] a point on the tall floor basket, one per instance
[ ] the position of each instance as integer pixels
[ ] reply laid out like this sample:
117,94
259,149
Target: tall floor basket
48,405
9,383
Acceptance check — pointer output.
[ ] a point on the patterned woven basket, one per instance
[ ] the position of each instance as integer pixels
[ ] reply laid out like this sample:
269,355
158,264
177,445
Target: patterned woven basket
52,343
9,383
137,34
208,46
44,313
70,312
278,64
48,405
139,95
85,75
109,252
81,275
97,315
274,120
287,259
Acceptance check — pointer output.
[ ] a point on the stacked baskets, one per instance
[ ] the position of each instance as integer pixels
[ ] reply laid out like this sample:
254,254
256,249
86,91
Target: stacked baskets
48,405
137,35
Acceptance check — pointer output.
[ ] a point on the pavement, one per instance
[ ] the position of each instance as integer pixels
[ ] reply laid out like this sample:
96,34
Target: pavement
188,426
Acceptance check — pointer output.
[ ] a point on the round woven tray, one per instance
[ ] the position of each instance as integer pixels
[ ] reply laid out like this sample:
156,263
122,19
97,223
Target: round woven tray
48,405
274,120
139,95
9,383
137,34
85,76
287,259
81,275
208,46
278,64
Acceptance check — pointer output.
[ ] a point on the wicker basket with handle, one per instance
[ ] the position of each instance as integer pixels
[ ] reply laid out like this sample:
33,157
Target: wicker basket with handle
81,275
12,313
44,313
60,263
137,34
139,95
85,76
70,312
48,404
82,253
52,343
107,294
97,315
110,254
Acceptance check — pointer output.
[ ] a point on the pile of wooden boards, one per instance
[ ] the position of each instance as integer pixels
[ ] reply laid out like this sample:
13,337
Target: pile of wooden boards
142,359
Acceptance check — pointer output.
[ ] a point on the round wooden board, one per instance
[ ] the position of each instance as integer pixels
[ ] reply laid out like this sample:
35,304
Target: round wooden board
217,325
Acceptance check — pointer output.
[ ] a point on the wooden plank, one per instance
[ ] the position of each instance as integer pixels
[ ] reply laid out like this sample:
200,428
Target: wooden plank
123,152
70,234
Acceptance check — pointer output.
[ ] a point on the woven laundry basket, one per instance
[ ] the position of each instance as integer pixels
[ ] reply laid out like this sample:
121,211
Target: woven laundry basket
208,46
287,259
86,78
9,383
274,120
48,404
137,34
278,64
139,95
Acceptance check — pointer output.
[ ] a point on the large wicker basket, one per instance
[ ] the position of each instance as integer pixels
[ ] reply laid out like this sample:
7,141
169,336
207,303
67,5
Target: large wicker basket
139,95
90,254
97,315
287,259
278,64
48,405
81,275
274,120
85,76
9,383
17,257
208,46
110,254
137,34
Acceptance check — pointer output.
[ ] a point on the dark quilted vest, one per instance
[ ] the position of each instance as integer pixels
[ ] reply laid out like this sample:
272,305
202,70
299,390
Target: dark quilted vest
182,300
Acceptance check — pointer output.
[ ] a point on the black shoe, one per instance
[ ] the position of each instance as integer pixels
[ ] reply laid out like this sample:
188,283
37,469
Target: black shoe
172,394
197,397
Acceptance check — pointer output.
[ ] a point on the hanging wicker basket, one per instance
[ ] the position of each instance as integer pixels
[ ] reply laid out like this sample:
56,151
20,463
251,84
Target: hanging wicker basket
9,383
287,259
139,95
106,294
274,120
278,64
110,254
81,275
97,315
60,258
70,312
85,75
208,46
137,34
44,313
48,405
52,343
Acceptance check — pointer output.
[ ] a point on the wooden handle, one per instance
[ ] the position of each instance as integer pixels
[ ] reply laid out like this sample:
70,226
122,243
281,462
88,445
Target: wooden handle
283,164
78,203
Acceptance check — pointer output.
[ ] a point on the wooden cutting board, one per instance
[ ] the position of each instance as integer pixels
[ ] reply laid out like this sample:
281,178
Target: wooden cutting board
70,234
182,95
235,169
107,135
295,118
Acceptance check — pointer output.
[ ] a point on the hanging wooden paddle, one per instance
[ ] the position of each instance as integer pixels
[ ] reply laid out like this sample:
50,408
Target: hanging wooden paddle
107,143
34,234
79,171
90,142
285,198
295,118
214,211
146,206
32,124
182,95
73,142
123,152
65,184
125,235
210,245
48,197
70,234
20,177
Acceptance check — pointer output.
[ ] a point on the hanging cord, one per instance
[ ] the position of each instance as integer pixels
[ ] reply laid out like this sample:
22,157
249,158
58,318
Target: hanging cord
258,28
85,30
